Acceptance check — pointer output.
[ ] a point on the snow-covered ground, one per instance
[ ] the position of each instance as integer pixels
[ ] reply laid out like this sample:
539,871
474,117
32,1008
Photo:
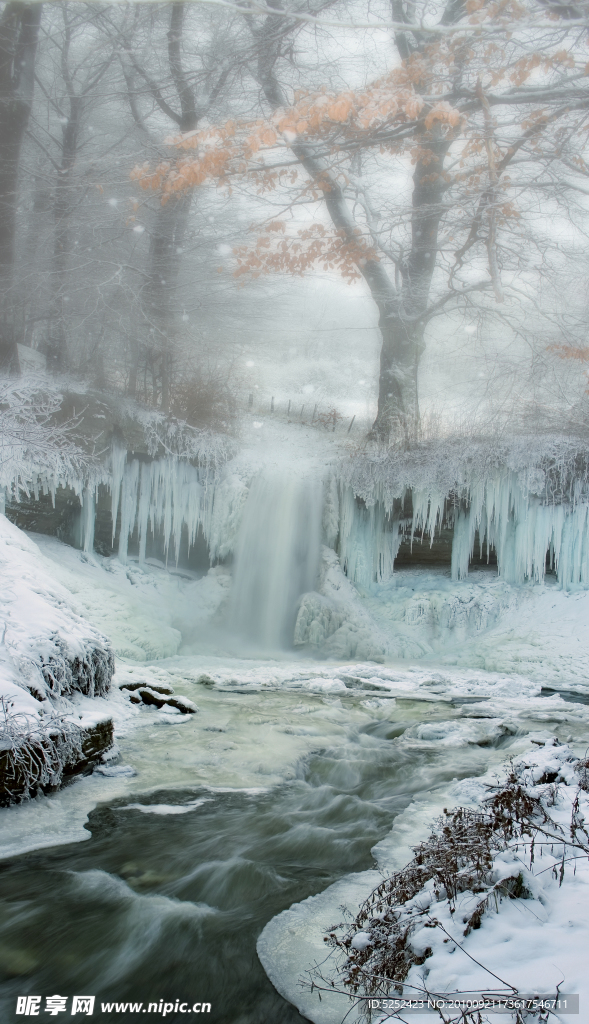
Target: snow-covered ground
457,679
52,661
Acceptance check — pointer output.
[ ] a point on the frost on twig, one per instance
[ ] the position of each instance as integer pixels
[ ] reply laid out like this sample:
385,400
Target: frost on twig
89,673
178,439
32,440
34,752
553,468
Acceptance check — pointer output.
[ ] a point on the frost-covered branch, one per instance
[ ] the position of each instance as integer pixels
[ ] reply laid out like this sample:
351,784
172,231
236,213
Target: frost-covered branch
178,439
34,751
32,440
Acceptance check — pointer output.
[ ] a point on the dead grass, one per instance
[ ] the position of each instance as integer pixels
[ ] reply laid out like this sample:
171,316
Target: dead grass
457,857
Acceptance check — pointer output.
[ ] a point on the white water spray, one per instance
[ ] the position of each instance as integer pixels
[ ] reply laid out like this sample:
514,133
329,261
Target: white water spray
277,557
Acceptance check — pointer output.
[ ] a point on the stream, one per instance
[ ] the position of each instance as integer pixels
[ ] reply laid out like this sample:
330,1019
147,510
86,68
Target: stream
166,899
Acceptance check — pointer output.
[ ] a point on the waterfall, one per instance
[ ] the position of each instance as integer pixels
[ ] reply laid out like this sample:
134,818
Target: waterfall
526,514
277,556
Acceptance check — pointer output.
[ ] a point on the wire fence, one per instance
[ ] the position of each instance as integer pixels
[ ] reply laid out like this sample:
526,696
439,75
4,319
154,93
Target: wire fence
326,417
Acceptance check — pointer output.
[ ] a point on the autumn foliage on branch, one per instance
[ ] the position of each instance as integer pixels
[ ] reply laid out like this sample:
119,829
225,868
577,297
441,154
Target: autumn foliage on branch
222,154
399,115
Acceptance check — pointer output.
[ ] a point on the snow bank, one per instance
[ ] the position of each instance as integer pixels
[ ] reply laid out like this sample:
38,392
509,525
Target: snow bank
532,937
50,661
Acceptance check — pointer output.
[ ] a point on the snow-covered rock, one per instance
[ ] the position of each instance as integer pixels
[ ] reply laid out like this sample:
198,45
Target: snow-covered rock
51,662
331,621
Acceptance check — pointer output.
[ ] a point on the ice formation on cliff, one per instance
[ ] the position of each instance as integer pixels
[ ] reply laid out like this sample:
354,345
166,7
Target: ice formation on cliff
531,517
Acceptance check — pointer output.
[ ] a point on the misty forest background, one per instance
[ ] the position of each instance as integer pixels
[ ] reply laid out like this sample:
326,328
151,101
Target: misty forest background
433,217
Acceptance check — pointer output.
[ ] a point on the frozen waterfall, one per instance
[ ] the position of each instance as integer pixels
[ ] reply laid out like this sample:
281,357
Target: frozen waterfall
530,518
277,556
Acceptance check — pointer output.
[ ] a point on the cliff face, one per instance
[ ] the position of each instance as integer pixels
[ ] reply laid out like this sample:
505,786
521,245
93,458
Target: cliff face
52,663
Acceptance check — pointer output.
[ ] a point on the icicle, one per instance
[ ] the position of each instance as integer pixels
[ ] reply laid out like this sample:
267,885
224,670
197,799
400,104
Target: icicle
369,540
128,507
88,519
143,510
331,512
509,509
118,458
462,544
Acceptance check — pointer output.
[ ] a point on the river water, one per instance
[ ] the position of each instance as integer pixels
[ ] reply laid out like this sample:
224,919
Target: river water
166,899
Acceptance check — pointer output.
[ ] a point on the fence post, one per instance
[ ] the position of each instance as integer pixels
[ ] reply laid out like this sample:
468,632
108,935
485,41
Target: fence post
351,422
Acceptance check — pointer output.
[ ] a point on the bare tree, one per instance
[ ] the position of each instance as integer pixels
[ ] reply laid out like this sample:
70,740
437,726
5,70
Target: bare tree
19,27
184,96
490,110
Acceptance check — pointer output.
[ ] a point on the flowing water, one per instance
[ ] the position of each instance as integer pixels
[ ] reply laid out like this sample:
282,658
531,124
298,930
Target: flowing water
166,900
277,557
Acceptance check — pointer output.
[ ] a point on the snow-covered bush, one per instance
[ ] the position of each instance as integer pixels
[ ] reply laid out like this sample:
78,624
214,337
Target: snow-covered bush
34,751
32,440
89,672
474,861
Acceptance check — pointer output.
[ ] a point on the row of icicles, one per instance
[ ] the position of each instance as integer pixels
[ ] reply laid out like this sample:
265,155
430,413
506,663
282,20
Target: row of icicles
168,496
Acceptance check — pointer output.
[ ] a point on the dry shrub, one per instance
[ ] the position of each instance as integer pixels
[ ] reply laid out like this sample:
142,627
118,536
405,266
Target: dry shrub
206,400
582,770
329,419
457,857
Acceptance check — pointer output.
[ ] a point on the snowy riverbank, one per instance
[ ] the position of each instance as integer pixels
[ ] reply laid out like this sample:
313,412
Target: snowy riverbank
55,670
530,936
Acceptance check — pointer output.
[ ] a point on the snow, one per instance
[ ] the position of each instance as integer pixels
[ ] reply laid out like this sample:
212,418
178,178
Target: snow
116,771
534,944
165,808
144,610
42,636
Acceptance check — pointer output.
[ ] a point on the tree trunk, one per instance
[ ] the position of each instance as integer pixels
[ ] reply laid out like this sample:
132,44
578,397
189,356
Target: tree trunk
401,311
403,326
19,26
170,226
398,396
57,340
165,251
